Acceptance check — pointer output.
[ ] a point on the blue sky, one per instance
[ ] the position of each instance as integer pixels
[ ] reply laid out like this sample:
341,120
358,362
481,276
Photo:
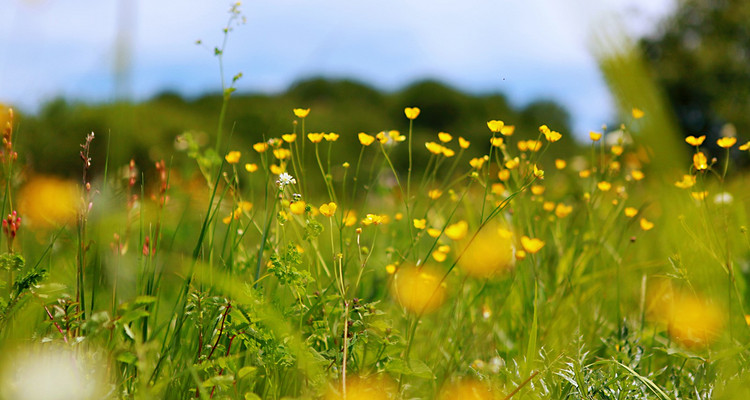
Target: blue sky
525,49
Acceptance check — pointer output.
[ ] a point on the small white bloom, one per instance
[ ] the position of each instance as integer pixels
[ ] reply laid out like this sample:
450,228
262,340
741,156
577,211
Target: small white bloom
723,198
285,179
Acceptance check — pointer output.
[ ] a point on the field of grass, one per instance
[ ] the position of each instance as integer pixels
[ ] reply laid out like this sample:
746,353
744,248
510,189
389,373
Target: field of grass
381,265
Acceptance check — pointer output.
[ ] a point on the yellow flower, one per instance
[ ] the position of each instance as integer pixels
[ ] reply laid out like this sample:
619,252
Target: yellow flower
374,219
315,137
498,189
399,216
595,136
365,139
468,389
48,202
301,112
503,175
537,189
495,125
496,141
637,113
520,255
490,253
548,206
508,130
420,223
699,161
390,269
512,163
289,137
687,182
560,163
550,135
251,167
277,169
745,146
604,186
445,137
439,256
476,162
646,225
617,150
699,195
419,290
585,173
533,145
539,173
434,148
233,157
464,144
281,153
637,174
522,145
726,142
328,209
260,147
695,141
531,245
434,233
630,212
448,152
411,112
298,207
434,194
350,218
457,231
382,137
563,210
331,137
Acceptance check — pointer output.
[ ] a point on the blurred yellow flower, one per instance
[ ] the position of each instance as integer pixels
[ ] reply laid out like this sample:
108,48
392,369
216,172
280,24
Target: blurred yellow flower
350,218
490,252
464,144
420,223
548,206
531,245
503,175
467,390
537,189
726,142
700,162
637,113
563,210
289,137
604,186
512,163
508,130
692,320
365,139
630,212
560,163
365,388
434,194
260,147
745,146
550,135
331,137
687,182
637,174
381,137
585,173
282,153
434,148
251,167
457,231
277,169
646,225
496,141
445,137
699,195
476,162
411,112
396,136
539,173
595,136
419,290
301,112
497,189
434,233
390,269
695,141
439,256
448,152
315,137
298,207
617,150
233,157
48,202
495,125
328,209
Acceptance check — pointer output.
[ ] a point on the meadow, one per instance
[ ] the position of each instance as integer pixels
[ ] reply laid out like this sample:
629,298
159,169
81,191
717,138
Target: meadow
313,264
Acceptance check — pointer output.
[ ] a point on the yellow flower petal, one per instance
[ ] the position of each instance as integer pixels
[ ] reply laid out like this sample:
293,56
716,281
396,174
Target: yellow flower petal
411,112
233,157
695,141
531,245
301,112
726,142
495,125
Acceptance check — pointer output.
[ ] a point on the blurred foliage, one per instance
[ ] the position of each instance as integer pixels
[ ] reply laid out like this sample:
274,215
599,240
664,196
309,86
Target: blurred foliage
146,131
701,57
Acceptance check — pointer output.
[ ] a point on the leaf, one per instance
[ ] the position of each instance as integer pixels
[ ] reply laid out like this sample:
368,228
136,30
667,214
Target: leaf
413,368
251,396
244,371
127,358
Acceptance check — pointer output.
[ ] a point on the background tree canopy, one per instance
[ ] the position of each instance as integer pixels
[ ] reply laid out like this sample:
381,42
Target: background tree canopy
701,57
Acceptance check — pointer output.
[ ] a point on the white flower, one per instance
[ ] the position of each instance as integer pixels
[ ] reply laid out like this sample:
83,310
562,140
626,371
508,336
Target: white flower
285,179
723,198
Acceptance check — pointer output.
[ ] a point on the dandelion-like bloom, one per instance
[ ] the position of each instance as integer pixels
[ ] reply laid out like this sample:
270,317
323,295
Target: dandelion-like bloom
477,162
328,209
495,125
726,142
233,157
285,179
695,141
490,253
508,130
595,136
700,162
411,112
301,112
637,113
637,174
419,290
48,202
365,139
604,186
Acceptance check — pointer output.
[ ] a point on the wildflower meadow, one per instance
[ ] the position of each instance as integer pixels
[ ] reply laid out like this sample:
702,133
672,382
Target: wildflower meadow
310,264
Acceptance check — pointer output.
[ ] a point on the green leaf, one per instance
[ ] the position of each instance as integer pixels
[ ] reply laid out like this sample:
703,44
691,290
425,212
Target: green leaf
413,368
127,358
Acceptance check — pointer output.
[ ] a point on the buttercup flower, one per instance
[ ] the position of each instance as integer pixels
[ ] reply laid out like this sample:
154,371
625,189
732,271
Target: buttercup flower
531,245
260,147
365,139
495,125
315,137
411,112
695,141
301,112
700,162
637,113
595,136
328,209
251,167
464,144
445,137
233,157
726,142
